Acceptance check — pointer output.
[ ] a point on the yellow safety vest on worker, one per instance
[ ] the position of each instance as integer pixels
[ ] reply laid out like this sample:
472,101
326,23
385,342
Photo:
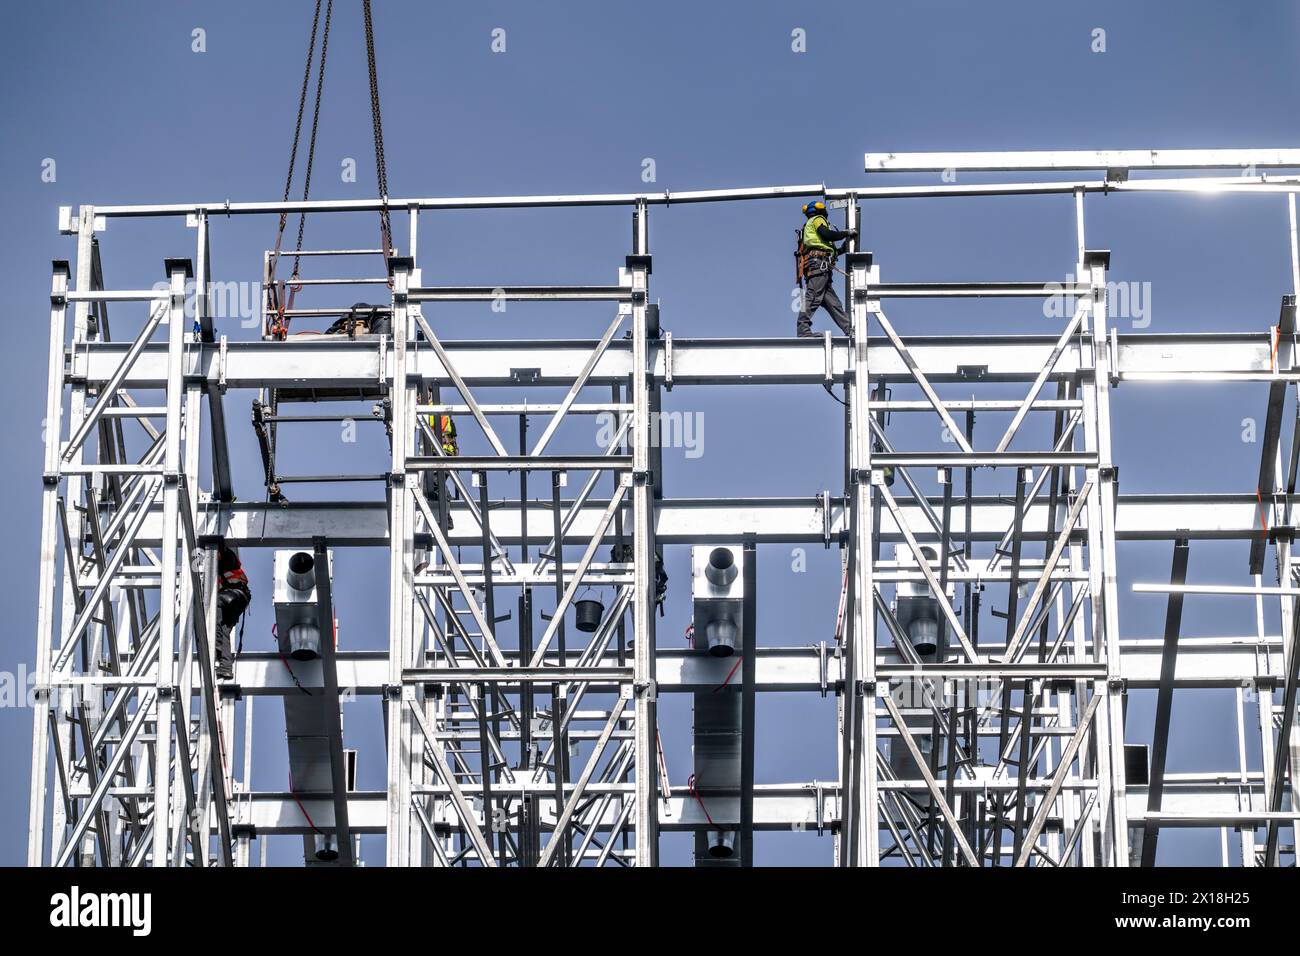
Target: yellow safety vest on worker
445,429
813,242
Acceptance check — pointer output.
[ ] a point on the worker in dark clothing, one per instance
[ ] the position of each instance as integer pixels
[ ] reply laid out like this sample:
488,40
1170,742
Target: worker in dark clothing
661,576
233,597
815,268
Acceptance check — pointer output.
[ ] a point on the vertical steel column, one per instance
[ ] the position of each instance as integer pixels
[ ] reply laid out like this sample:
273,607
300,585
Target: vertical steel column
748,679
1275,762
44,705
401,548
207,736
647,836
860,844
1109,725
84,328
179,270
1077,695
1164,701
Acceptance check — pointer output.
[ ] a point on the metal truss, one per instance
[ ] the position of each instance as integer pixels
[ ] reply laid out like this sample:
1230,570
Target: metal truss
515,739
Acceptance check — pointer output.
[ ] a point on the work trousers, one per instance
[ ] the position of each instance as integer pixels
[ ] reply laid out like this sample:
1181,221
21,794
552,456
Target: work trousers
819,292
231,604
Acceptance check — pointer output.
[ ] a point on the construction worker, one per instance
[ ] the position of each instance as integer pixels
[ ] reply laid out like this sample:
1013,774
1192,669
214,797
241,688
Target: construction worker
661,576
233,598
815,268
445,429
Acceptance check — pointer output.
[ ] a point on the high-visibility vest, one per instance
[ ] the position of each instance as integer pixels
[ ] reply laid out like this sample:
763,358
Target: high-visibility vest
231,577
234,579
445,429
813,241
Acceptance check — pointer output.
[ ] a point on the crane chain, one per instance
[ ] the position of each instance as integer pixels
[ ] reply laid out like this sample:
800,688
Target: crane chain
381,167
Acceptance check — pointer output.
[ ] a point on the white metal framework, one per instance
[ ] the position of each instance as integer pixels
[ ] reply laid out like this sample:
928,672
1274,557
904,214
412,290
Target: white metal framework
536,744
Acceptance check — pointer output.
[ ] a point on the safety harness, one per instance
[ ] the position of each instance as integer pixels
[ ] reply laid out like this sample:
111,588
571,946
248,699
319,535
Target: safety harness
811,261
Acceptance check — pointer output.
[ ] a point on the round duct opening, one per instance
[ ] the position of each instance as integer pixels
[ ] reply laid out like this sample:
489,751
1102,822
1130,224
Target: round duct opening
721,636
721,569
722,844
925,636
304,642
302,572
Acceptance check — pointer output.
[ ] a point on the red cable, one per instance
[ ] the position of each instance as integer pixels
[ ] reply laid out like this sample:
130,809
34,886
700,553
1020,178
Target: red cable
285,662
310,821
690,784
302,808
735,667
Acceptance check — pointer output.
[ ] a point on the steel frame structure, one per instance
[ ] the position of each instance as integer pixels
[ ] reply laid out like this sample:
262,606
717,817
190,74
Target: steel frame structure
530,749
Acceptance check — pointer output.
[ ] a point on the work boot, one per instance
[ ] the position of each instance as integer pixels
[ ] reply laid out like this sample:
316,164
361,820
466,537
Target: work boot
807,334
225,669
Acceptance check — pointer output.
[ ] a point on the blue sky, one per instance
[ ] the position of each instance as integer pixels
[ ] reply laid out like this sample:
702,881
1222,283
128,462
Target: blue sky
713,93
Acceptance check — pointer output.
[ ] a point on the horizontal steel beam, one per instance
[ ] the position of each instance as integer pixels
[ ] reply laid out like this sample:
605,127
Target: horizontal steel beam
1075,159
336,361
698,520
668,198
1202,662
775,808
792,807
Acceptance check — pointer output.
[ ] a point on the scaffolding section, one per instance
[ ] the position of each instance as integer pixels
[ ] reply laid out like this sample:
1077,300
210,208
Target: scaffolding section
515,739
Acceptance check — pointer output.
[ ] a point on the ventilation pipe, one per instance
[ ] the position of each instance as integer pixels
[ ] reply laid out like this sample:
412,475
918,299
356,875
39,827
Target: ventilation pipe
296,616
721,637
917,609
722,844
304,642
717,592
721,569
326,849
301,575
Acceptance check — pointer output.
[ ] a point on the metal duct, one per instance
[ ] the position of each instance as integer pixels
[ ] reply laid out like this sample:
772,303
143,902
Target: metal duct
717,590
307,729
918,613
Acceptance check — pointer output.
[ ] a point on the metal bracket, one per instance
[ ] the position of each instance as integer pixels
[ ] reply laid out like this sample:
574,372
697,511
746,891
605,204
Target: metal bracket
824,501
647,690
823,668
668,361
221,365
1114,357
